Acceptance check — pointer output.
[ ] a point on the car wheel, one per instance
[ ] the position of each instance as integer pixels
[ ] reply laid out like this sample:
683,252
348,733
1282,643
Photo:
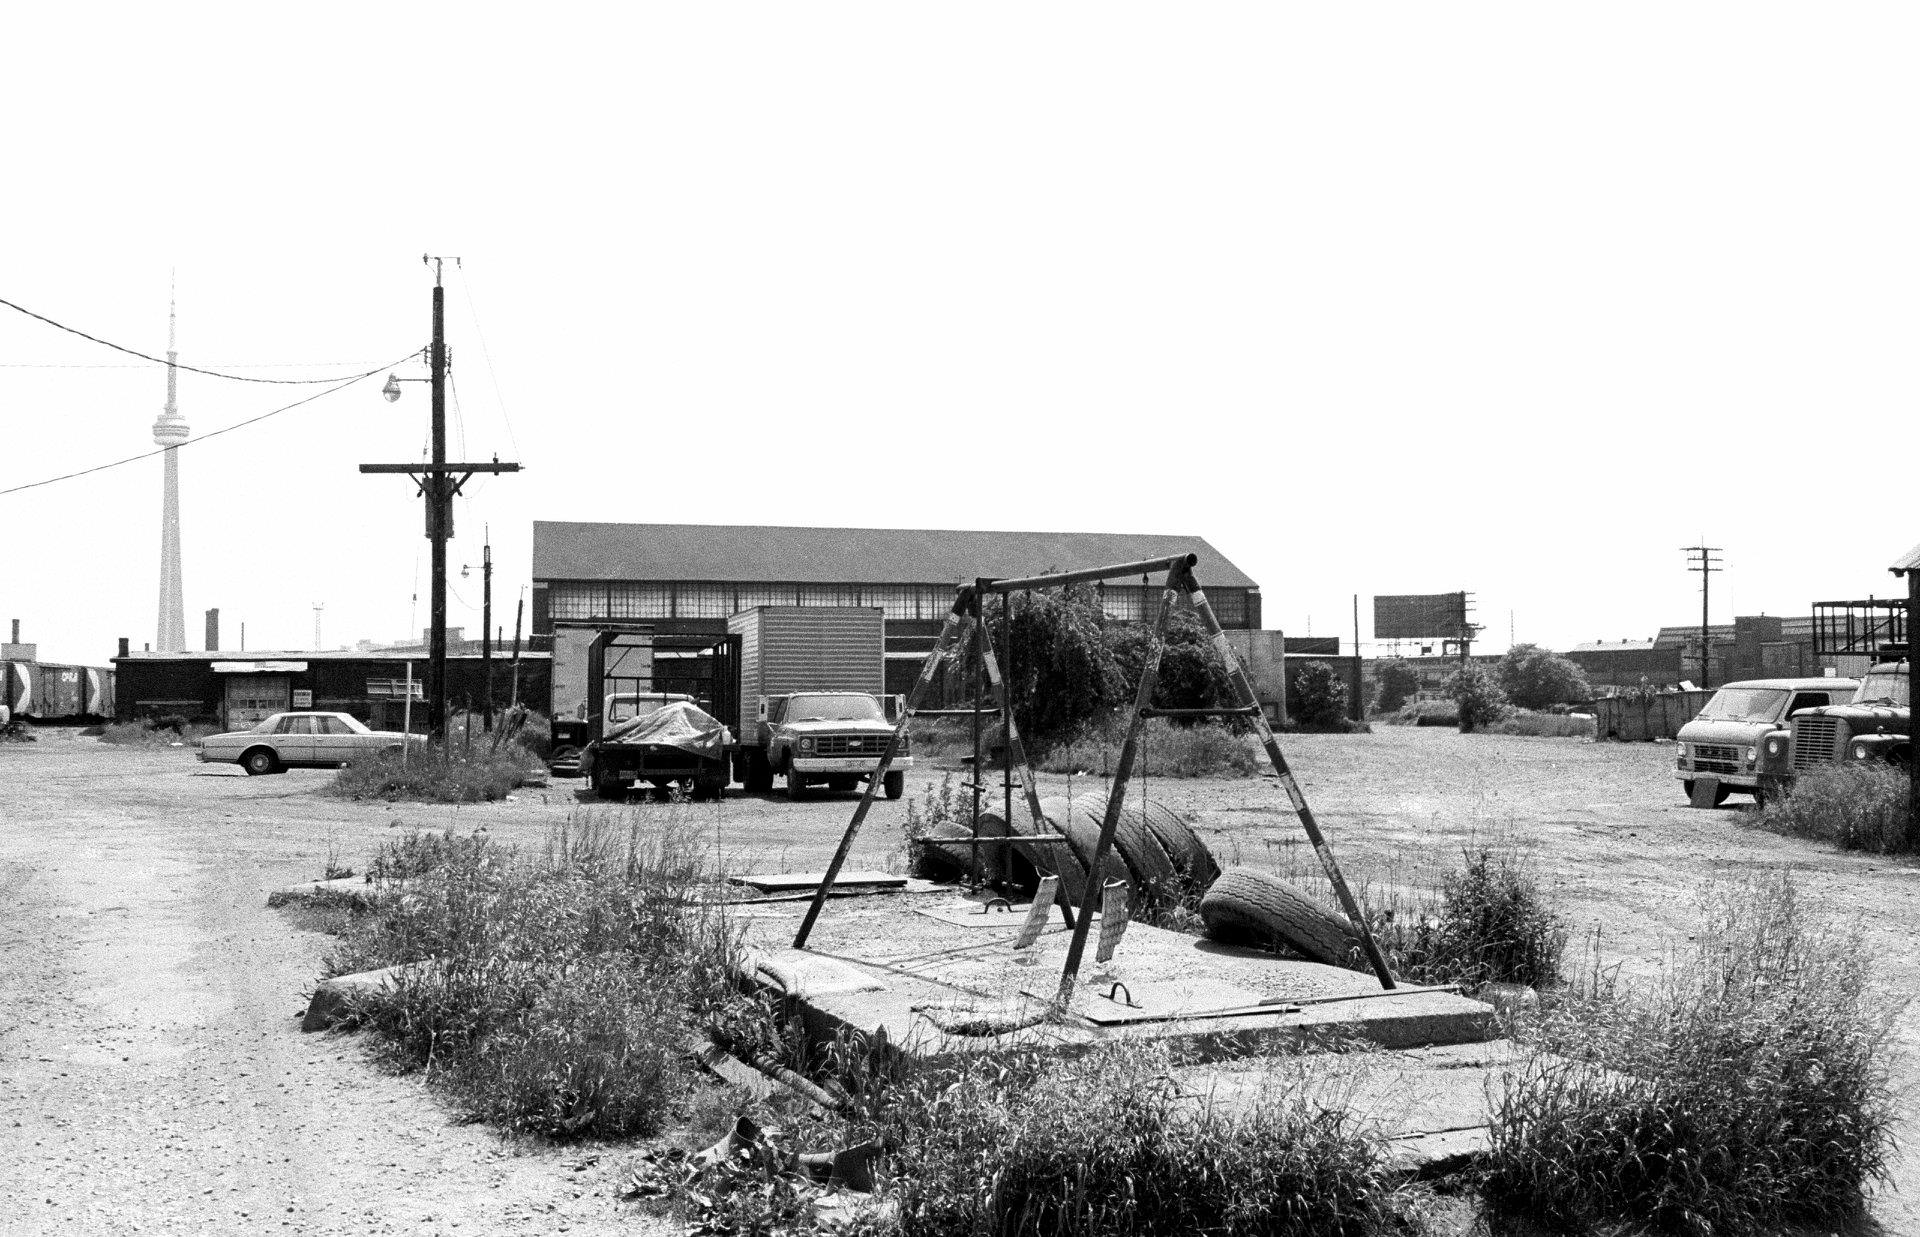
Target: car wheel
260,760
796,784
895,784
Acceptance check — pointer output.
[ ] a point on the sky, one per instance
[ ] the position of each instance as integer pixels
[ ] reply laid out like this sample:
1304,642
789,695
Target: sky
1517,299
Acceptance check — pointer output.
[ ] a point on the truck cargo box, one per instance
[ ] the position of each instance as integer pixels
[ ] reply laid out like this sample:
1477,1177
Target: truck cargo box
807,648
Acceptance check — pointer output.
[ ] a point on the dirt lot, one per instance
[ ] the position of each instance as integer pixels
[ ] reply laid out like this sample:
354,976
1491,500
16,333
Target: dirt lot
156,1078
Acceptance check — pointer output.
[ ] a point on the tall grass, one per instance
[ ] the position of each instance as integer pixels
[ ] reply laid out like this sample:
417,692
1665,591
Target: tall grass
1167,749
1854,807
1743,1092
158,732
1545,725
1106,1144
438,776
562,986
1491,925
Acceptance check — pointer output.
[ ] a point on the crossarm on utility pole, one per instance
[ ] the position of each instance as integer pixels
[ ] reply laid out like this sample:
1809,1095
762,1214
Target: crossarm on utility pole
949,632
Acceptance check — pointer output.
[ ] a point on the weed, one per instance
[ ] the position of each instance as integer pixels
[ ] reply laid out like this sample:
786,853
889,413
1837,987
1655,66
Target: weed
1744,1091
1854,807
1105,1143
1492,927
1427,713
564,985
449,776
155,732
1546,725
1166,749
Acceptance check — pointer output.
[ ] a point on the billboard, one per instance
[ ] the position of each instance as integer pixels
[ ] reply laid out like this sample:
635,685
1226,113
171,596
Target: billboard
1416,616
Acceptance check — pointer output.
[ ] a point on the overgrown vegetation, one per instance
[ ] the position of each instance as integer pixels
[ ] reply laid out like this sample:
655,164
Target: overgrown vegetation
481,774
1853,807
1536,678
1427,713
169,731
1317,699
1104,1143
1744,1091
1395,682
1545,725
1167,749
554,993
1477,697
1492,926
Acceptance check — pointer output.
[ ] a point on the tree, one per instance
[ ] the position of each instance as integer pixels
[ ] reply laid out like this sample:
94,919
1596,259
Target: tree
1317,698
1395,683
1476,692
1061,672
1535,678
1192,676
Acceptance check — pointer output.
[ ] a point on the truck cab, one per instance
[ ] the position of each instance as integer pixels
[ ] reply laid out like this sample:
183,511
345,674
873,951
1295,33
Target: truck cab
1874,723
833,739
1726,742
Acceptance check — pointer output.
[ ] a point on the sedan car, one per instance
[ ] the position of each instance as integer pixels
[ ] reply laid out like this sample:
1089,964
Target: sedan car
311,740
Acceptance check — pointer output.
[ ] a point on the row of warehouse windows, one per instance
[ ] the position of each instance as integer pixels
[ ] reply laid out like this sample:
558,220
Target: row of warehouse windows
579,600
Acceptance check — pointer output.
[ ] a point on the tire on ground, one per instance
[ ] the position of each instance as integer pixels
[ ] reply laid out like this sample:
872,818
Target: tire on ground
943,853
1081,825
1246,905
1048,860
1156,878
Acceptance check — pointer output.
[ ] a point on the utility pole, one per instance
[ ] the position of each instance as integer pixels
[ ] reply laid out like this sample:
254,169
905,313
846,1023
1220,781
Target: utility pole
486,632
437,486
1701,558
318,606
519,607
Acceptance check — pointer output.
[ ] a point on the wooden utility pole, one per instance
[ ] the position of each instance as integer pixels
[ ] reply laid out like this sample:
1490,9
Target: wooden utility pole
1701,558
437,486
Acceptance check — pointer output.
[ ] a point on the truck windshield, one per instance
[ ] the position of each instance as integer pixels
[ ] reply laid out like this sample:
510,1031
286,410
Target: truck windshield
1888,687
1745,704
847,708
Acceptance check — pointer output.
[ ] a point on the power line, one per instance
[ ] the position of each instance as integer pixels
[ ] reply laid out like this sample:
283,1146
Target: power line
189,368
131,459
486,353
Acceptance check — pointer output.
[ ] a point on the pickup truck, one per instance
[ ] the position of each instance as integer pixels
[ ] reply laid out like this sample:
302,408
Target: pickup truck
1872,724
833,739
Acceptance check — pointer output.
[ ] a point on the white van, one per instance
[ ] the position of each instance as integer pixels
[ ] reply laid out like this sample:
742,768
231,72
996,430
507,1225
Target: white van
1722,744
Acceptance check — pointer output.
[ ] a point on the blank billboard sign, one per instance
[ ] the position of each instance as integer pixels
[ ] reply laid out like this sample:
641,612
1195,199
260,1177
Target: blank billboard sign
1413,616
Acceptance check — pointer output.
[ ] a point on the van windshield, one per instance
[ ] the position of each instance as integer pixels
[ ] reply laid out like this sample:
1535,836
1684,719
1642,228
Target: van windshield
1745,704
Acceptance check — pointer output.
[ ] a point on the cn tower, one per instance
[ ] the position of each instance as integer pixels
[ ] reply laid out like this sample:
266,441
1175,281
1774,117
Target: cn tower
169,432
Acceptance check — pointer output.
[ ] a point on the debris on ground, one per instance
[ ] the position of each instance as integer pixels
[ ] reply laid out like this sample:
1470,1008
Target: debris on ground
754,1171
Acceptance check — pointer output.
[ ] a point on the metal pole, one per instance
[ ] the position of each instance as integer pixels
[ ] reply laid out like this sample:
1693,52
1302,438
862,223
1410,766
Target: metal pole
437,512
1913,782
956,619
1016,753
519,607
1057,578
1185,582
1129,749
486,634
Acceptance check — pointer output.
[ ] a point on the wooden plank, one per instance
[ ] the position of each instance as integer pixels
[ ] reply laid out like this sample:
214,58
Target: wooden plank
787,882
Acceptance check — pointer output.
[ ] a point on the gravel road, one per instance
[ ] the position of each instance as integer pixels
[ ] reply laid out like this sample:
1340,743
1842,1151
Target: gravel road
156,1078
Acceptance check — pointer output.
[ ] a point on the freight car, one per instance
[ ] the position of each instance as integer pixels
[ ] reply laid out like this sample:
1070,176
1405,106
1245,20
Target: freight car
49,693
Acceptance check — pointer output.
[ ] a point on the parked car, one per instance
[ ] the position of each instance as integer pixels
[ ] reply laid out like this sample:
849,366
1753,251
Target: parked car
312,740
1723,742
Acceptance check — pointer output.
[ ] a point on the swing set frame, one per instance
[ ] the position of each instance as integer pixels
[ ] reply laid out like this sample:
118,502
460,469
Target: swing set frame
967,612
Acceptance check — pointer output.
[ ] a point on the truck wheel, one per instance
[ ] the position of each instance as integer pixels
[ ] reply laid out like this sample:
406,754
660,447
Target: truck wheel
1720,792
606,787
756,775
258,761
895,784
796,785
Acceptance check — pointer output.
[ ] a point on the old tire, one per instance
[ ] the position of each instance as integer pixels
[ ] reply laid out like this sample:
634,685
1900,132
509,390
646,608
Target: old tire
1081,826
1026,865
1189,855
1154,875
1248,906
259,760
945,853
895,783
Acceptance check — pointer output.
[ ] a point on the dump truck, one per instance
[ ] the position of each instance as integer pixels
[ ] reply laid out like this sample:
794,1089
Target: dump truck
814,709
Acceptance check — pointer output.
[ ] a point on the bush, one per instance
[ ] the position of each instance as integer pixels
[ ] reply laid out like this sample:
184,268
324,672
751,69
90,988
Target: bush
1060,669
1546,725
1428,713
1744,1091
1395,682
1167,749
1105,1144
1534,678
1854,807
1476,694
437,775
1492,927
155,732
1317,699
563,986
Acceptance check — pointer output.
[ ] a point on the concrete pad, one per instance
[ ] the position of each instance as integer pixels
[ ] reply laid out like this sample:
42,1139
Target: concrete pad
938,975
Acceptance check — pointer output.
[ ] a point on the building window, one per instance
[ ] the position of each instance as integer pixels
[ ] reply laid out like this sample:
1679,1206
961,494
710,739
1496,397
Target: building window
747,597
1229,606
638,601
576,601
1126,603
702,600
829,595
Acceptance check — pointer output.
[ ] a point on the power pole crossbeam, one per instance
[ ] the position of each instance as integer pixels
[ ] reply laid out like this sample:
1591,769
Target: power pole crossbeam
1701,558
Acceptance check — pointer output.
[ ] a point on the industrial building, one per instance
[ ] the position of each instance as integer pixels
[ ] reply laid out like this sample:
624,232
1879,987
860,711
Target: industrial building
1753,646
688,579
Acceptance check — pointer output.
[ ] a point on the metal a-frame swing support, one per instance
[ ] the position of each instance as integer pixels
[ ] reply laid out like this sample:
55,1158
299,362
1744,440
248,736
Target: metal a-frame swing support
1180,583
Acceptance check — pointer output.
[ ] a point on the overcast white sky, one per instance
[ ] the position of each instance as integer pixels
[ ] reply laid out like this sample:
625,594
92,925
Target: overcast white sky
1378,299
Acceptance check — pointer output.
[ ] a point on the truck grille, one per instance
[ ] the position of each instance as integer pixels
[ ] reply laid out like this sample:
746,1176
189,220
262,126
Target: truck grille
1715,758
1816,741
851,745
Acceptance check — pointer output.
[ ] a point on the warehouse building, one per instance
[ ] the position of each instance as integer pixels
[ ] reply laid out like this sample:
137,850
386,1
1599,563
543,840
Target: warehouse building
689,578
